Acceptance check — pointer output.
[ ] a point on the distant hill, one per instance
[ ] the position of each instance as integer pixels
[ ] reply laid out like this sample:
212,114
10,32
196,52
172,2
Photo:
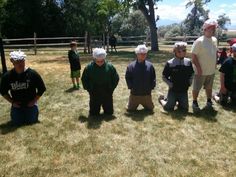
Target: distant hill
231,33
165,22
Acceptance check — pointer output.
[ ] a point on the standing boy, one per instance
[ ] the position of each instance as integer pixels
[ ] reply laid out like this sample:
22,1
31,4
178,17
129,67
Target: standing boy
75,66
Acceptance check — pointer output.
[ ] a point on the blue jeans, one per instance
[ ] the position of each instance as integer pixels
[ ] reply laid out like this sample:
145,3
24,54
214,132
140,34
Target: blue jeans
25,115
174,97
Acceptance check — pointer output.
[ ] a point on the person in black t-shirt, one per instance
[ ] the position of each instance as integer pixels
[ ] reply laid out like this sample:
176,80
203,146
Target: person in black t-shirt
75,66
227,80
22,87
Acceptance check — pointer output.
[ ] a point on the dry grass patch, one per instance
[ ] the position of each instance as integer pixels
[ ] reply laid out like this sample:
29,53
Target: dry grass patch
68,143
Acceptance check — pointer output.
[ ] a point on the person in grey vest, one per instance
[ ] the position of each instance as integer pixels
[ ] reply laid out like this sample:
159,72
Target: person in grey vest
177,74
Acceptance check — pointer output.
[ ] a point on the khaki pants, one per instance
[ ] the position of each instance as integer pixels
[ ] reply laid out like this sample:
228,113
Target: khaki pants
145,101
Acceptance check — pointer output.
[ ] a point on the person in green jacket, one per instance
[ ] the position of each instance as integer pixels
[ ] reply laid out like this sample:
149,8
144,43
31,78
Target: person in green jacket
100,79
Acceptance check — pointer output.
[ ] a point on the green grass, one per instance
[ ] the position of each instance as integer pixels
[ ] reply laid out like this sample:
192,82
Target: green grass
68,143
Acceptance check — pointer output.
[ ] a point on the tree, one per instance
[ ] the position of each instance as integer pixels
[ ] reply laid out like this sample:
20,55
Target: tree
24,17
174,31
196,17
2,14
107,9
134,24
222,20
147,7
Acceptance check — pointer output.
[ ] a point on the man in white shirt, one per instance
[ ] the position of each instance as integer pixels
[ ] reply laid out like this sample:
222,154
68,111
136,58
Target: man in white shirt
204,58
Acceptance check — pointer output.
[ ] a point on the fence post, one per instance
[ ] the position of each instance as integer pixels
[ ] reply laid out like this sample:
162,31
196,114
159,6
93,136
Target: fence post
35,43
4,66
108,42
85,42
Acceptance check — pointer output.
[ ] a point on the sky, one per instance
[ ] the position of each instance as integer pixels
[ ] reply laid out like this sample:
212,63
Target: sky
174,11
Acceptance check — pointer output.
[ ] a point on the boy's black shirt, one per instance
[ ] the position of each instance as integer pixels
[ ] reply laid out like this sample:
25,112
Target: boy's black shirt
229,69
74,60
23,87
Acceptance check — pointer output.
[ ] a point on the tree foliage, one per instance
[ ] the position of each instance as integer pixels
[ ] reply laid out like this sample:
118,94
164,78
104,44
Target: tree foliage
21,18
147,7
134,24
196,17
222,20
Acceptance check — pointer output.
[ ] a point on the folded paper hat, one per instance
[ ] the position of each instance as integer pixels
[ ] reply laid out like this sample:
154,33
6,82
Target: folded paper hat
99,53
17,55
233,47
141,49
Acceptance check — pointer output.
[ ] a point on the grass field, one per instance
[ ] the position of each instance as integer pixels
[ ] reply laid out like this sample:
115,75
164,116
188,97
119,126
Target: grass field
66,143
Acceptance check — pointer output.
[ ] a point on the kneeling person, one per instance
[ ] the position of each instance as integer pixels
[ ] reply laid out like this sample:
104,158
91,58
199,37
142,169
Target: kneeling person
177,74
25,86
228,80
141,80
100,79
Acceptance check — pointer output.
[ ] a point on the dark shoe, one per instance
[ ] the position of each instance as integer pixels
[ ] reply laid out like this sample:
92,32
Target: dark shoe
195,107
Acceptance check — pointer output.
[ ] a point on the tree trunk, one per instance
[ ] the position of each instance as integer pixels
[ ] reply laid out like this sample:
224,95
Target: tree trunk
154,38
108,42
149,14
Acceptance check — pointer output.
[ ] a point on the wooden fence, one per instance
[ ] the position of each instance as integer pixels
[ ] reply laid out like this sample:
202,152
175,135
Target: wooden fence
36,43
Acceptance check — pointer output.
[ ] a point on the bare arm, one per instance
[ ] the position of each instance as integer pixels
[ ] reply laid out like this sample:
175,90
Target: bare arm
10,100
222,83
196,63
32,103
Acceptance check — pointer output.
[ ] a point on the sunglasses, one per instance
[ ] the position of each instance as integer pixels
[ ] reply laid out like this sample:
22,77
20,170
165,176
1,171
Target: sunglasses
179,51
100,61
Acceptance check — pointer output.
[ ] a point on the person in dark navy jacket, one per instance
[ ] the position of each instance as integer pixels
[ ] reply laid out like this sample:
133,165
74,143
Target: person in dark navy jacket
141,80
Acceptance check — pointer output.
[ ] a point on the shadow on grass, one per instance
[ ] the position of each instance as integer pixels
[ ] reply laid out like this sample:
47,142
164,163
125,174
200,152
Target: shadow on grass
138,115
178,114
207,114
229,107
9,127
95,122
70,90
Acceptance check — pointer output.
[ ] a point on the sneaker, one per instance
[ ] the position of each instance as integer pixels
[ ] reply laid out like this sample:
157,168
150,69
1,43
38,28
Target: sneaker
209,104
78,87
160,98
195,107
216,97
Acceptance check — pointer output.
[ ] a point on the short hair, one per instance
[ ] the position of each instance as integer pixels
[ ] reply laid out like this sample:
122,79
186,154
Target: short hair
73,43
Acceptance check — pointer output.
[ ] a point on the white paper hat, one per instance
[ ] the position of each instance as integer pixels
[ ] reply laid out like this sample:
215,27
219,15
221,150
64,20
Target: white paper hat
17,55
233,47
99,53
141,49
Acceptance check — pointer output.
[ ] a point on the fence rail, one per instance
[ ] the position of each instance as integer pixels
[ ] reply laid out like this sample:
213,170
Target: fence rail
95,41
36,43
